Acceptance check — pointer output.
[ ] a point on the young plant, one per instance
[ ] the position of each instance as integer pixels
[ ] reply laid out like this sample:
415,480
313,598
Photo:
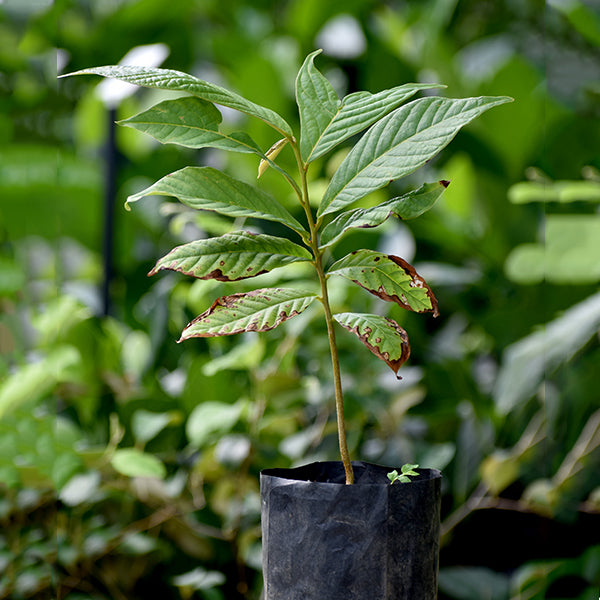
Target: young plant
406,472
400,139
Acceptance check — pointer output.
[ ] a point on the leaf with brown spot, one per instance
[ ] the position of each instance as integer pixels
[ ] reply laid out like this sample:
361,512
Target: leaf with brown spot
382,336
389,277
258,310
232,256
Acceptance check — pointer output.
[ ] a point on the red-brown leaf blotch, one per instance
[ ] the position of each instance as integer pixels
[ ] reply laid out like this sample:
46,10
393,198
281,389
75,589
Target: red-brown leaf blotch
393,363
417,281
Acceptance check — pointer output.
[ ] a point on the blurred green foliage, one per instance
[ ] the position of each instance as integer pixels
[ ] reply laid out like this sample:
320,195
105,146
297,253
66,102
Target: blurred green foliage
129,464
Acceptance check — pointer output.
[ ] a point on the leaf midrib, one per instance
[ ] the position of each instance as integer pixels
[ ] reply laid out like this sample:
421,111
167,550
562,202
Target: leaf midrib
195,127
369,164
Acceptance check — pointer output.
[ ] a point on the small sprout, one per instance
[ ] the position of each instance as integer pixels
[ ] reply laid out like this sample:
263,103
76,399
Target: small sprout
407,471
271,154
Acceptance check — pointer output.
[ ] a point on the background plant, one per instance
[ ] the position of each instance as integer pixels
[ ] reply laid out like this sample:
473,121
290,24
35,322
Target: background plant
443,413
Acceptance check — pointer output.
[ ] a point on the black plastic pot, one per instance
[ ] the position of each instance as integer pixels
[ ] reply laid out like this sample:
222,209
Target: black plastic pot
325,540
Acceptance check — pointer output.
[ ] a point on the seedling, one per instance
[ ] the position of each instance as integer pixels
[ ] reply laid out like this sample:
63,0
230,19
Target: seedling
407,471
400,139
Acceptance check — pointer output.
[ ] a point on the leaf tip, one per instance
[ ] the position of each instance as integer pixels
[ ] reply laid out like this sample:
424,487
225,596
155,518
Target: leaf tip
445,182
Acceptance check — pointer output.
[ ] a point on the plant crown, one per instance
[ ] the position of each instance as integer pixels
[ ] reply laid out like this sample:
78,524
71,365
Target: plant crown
399,139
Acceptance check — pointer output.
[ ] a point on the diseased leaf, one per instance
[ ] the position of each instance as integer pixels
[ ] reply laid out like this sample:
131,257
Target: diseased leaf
259,310
206,188
168,79
325,121
399,144
389,277
408,206
190,122
232,256
382,336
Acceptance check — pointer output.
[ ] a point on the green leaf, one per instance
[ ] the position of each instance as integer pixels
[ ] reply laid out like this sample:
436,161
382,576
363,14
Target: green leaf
474,583
258,310
382,336
325,121
317,103
167,79
33,381
212,418
205,188
243,356
555,191
399,144
199,579
80,488
388,277
408,206
232,256
407,473
408,469
146,425
528,361
190,122
135,463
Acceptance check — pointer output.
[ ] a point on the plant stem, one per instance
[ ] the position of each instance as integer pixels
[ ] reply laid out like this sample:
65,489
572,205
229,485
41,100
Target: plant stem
335,363
337,380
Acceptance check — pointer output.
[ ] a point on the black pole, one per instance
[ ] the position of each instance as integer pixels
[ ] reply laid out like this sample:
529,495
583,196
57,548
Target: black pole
110,190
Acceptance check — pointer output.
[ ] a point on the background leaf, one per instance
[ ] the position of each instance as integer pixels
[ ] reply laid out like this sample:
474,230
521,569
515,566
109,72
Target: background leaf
526,362
210,420
38,378
399,144
473,583
135,463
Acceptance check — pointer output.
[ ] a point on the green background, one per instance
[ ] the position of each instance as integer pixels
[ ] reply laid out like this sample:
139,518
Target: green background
129,463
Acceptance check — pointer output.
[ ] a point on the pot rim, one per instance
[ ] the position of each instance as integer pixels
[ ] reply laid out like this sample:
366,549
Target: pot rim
287,474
